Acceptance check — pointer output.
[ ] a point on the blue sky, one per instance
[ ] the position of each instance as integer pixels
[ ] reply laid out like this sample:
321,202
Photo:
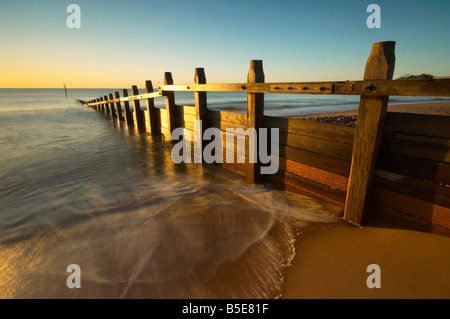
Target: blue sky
121,43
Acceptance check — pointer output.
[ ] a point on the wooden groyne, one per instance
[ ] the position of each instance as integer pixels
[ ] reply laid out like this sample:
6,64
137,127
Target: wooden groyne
393,166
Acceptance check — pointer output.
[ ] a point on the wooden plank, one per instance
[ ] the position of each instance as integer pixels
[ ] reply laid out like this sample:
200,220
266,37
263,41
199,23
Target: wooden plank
433,148
295,184
405,204
223,125
418,124
232,117
338,133
187,110
153,114
317,175
255,118
371,114
368,87
316,145
415,167
425,190
393,217
327,163
188,117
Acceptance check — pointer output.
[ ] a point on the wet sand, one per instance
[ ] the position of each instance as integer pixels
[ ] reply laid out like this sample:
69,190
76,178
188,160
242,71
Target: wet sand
331,260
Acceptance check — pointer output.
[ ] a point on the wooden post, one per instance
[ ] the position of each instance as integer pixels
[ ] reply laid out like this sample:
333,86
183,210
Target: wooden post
102,106
126,109
170,105
119,108
111,105
201,111
96,106
106,104
371,115
255,116
138,114
153,113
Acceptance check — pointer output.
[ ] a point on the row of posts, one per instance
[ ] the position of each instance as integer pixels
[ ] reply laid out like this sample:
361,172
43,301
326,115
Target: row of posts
150,120
371,114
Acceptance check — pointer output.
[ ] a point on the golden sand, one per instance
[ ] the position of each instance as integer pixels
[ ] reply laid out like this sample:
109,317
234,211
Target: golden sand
331,260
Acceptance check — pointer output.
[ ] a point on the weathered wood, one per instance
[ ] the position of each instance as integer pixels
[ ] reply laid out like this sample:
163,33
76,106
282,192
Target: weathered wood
232,117
126,108
255,117
418,124
433,148
320,146
405,204
111,106
415,167
393,217
201,112
338,133
172,115
102,106
298,185
425,190
371,115
369,87
317,175
153,113
328,163
138,114
107,108
118,107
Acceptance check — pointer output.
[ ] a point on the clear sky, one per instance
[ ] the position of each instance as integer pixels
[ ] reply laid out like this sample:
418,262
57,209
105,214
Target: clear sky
121,43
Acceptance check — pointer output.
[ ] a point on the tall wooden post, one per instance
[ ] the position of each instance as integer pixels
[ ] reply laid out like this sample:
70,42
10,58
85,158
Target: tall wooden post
119,108
138,114
97,107
106,105
111,105
201,111
255,116
371,115
153,113
172,119
126,109
102,106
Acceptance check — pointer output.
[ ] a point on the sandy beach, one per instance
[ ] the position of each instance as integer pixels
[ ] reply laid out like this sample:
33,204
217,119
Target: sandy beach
331,260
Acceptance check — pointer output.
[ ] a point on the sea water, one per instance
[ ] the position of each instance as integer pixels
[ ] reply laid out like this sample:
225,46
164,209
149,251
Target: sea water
77,188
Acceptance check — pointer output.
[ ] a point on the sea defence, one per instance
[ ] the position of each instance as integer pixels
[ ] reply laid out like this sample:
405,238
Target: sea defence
393,166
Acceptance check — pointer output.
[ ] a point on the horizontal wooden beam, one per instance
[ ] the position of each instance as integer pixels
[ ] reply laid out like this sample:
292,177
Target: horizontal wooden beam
130,98
440,87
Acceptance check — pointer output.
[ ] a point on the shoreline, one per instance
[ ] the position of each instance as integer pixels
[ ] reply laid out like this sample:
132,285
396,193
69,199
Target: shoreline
331,259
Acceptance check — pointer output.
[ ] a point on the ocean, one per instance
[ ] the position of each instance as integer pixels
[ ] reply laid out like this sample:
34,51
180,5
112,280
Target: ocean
76,188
